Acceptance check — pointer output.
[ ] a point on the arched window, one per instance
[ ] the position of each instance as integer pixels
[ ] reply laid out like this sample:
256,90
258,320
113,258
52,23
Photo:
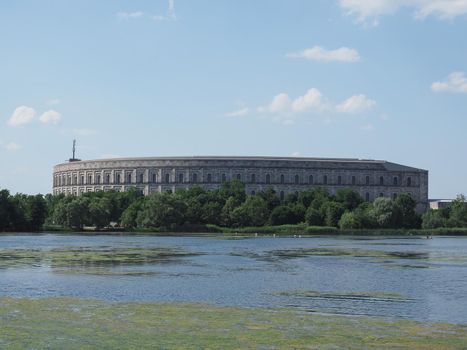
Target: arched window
107,178
310,179
282,195
367,180
129,178
195,178
180,178
239,177
209,178
167,178
354,180
297,179
89,179
282,178
154,178
82,180
117,176
224,178
339,180
367,197
409,181
253,193
268,178
253,178
98,179
141,178
395,181
325,179
75,180
381,180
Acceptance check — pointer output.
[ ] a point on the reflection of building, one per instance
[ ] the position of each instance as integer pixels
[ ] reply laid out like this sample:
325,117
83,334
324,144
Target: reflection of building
370,178
439,203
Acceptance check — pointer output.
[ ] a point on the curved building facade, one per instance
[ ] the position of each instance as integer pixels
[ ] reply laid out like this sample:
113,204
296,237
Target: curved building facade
370,178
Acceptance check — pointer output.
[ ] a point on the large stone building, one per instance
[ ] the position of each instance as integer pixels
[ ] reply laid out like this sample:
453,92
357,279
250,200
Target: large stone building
370,178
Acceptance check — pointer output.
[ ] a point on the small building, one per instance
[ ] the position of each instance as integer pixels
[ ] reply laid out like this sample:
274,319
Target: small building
436,204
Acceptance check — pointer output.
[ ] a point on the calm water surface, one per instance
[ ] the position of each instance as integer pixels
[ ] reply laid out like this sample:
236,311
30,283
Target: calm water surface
421,279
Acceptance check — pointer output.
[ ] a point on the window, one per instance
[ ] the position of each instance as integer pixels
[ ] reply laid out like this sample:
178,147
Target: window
141,178
129,178
381,180
117,178
367,197
180,178
82,180
107,178
354,180
409,181
297,179
325,179
282,178
209,178
282,195
395,181
239,177
394,195
381,194
367,180
268,178
339,180
89,179
195,178
253,193
167,178
98,180
154,178
253,178
75,180
224,178
310,179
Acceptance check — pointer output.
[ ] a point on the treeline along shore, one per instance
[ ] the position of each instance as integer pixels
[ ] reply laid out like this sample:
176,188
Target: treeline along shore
228,210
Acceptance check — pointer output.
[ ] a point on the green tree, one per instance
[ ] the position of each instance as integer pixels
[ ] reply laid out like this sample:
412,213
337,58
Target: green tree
313,217
349,198
332,212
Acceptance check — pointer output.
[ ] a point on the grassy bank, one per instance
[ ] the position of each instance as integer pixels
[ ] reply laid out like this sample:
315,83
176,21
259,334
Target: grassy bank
281,230
80,324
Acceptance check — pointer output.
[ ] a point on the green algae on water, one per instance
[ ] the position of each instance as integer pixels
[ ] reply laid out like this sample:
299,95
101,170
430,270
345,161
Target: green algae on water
59,323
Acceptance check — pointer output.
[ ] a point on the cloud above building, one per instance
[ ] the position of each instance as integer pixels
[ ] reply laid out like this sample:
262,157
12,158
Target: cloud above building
455,82
318,53
50,117
21,116
370,10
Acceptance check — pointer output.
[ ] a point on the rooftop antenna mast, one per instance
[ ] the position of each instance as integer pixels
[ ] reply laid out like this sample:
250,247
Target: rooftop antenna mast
74,159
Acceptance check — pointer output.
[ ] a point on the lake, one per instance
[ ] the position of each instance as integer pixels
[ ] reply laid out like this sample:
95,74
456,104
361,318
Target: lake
409,277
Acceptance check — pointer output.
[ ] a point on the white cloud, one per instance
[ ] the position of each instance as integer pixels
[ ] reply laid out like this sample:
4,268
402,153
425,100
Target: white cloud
312,99
12,147
238,113
287,110
170,13
364,10
50,117
317,53
52,102
22,115
356,104
84,132
456,82
279,103
130,15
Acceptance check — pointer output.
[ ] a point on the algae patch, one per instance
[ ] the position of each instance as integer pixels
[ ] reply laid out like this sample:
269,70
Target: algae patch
59,323
95,260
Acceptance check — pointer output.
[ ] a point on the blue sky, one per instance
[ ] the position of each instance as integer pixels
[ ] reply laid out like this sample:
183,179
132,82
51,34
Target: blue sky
380,79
